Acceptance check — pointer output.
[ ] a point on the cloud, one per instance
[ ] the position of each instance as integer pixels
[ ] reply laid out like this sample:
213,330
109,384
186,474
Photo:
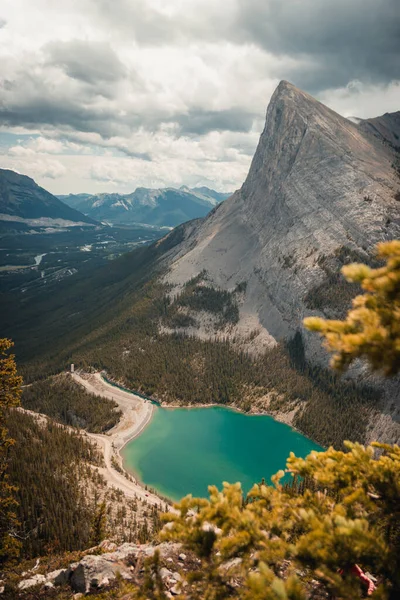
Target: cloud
90,62
3,23
342,40
29,163
51,169
202,121
360,100
141,92
21,151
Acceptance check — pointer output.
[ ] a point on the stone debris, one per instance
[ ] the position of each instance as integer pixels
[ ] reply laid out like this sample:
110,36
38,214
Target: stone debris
32,582
96,571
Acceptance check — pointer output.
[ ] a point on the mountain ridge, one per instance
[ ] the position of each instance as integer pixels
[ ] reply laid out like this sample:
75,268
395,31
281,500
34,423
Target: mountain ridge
160,206
317,182
22,200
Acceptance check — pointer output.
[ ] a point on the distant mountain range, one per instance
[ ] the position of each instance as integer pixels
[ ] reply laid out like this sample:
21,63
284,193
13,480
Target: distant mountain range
23,203
161,207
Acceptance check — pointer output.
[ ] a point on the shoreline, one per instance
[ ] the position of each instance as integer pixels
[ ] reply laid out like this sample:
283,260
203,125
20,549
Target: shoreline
279,416
136,415
129,427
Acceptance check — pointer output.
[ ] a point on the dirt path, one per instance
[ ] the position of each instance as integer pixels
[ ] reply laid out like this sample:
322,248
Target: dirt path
136,414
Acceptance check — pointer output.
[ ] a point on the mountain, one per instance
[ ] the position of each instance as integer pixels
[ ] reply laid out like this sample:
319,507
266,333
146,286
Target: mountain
73,200
320,191
23,201
212,312
386,128
161,207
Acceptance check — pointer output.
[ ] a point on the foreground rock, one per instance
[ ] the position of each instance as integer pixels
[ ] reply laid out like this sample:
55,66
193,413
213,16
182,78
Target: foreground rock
96,571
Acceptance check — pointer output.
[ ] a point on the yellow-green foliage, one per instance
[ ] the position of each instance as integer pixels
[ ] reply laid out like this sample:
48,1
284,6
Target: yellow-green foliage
349,514
372,327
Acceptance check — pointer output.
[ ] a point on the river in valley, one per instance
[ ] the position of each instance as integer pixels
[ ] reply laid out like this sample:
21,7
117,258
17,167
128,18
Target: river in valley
182,451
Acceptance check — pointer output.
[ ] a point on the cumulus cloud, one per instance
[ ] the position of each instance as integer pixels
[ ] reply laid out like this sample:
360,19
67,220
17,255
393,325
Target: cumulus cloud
144,91
360,100
343,40
90,62
51,169
27,162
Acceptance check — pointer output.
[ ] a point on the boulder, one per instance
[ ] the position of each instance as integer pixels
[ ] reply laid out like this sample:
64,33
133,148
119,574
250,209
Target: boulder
95,572
31,582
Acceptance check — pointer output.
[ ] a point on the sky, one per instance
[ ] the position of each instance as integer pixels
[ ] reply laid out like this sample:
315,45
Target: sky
108,95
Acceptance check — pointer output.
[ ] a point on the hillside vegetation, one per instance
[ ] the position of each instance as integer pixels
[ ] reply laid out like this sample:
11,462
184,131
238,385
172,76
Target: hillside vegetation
111,322
51,468
65,401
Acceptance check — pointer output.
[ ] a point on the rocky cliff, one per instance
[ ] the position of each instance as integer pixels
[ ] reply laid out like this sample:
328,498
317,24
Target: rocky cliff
320,188
321,192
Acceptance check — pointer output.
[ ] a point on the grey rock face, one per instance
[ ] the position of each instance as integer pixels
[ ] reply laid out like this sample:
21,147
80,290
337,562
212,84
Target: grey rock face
317,182
32,582
99,570
386,127
95,572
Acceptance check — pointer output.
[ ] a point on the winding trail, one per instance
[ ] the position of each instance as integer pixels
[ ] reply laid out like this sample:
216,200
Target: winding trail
136,414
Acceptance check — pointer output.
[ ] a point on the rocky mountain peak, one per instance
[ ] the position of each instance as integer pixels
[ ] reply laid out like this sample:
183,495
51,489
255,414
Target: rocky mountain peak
296,123
318,184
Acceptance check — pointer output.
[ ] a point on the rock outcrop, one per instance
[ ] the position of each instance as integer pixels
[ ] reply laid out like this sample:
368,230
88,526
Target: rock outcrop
96,571
317,183
386,128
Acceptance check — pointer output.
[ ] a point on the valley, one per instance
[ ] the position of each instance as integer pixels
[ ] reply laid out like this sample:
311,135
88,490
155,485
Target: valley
64,252
201,329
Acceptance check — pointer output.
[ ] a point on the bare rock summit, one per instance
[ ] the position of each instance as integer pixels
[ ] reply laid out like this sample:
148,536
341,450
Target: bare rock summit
321,190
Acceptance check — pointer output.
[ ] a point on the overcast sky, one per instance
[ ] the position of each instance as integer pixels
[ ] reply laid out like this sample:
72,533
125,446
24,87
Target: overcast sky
108,95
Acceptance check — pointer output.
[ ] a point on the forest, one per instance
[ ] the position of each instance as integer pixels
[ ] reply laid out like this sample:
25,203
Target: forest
65,401
49,465
60,492
111,322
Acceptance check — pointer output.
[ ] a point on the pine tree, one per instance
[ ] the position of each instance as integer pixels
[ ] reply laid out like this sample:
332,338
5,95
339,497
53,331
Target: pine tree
347,514
372,327
99,525
10,392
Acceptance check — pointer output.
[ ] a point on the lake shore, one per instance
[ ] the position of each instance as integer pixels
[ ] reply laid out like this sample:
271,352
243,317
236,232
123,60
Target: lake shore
137,412
136,415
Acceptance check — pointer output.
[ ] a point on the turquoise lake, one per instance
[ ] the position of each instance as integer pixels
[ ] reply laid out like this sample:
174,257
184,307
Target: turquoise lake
182,451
